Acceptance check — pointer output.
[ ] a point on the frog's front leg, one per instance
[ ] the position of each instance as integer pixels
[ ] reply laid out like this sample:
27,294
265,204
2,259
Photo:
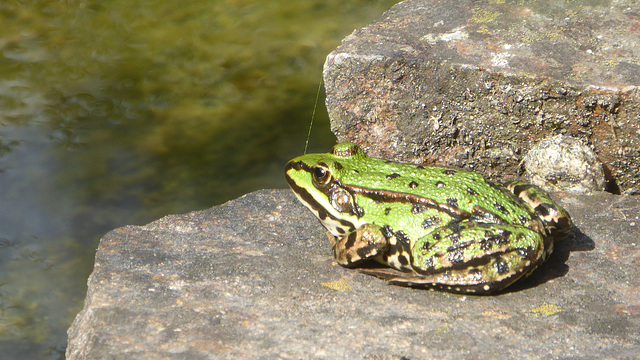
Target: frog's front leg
364,243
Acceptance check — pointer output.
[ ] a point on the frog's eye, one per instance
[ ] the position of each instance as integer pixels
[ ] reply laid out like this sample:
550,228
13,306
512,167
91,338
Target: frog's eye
321,174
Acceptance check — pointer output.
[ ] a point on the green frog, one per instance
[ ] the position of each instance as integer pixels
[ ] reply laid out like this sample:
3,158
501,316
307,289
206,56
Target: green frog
432,227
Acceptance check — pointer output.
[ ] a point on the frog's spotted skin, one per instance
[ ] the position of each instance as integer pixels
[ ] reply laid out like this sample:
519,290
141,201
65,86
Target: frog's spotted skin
434,227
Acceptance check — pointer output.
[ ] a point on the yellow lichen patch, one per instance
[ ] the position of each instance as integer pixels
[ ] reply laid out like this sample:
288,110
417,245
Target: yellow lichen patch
484,16
338,285
545,310
483,30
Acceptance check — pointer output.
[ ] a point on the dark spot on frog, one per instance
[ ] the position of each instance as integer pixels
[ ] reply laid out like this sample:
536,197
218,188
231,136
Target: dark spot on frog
545,209
417,209
455,226
365,251
413,184
430,221
452,202
387,211
525,253
337,165
436,236
481,215
426,246
522,219
491,239
501,208
501,265
471,192
562,223
440,184
449,172
387,231
356,171
392,176
455,238
358,211
351,240
475,273
488,241
402,238
503,237
340,230
420,167
403,260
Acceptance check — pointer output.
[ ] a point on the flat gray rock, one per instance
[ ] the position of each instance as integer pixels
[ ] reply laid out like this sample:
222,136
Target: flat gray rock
253,278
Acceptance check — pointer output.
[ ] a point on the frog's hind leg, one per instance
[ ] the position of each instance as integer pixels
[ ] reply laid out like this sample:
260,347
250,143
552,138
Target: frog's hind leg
470,257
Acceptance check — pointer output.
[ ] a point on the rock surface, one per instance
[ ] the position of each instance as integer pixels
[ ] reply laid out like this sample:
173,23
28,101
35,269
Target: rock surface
254,278
475,84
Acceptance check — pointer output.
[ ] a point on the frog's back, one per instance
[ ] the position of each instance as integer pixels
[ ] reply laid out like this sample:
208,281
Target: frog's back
458,189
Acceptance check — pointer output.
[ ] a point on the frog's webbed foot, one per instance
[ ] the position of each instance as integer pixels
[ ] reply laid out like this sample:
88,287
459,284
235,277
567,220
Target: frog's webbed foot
363,244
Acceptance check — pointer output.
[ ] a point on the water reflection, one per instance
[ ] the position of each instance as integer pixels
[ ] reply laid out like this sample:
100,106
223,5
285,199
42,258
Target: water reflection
116,112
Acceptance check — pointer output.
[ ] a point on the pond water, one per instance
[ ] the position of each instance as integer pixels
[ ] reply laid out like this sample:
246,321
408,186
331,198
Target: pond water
118,112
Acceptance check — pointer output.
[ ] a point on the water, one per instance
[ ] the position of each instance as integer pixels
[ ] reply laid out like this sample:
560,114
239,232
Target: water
119,112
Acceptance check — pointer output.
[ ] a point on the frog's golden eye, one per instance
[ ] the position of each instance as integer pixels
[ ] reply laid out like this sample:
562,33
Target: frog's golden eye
321,174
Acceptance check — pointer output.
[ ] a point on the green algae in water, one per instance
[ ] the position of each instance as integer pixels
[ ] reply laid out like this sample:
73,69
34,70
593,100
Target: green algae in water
147,108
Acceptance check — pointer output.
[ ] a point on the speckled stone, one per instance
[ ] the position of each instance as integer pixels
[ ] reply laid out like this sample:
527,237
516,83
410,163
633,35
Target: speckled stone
474,84
564,163
254,279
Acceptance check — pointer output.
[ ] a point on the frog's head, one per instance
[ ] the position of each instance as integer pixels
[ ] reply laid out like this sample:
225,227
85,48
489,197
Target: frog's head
315,179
